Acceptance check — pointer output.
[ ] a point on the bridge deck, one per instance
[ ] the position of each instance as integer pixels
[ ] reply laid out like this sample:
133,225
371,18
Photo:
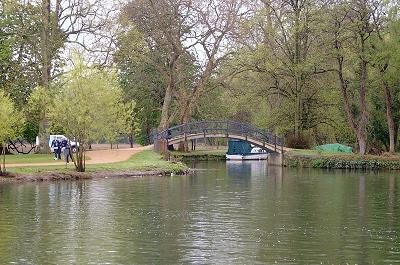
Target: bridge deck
220,129
188,137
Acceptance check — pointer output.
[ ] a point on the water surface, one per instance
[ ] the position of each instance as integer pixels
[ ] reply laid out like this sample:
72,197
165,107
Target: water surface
225,213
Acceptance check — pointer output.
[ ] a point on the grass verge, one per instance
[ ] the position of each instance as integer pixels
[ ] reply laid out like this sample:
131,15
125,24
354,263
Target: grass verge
142,161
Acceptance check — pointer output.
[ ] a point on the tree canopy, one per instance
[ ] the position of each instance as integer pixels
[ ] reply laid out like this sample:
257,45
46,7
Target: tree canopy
311,71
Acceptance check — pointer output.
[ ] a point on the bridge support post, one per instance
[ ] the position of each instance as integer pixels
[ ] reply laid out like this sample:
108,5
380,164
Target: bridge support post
275,159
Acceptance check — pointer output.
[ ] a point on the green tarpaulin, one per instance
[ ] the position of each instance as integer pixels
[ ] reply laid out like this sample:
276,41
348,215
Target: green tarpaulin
334,148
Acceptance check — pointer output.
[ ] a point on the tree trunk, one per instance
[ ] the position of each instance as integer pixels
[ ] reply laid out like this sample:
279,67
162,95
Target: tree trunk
45,43
130,139
389,117
164,121
297,117
1,168
362,144
361,129
363,119
43,146
45,68
4,159
80,162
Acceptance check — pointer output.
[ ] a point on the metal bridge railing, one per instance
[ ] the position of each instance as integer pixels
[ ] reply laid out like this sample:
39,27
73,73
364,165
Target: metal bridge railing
219,127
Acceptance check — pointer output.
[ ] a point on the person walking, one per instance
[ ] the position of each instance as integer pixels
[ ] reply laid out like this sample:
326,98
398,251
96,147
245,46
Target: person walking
54,145
58,150
66,150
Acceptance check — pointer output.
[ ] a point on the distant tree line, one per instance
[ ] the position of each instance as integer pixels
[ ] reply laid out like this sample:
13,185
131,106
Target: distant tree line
312,71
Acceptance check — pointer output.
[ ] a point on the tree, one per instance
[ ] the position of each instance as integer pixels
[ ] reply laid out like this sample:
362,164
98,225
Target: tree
283,67
132,124
186,41
88,107
140,81
385,60
19,70
11,122
353,27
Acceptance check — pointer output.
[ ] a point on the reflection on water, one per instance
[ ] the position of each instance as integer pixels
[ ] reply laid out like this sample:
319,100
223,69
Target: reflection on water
225,213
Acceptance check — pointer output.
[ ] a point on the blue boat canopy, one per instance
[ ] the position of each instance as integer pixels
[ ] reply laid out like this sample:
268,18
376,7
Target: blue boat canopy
238,147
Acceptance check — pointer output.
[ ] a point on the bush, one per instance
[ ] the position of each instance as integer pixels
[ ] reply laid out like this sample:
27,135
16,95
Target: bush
344,162
355,163
300,142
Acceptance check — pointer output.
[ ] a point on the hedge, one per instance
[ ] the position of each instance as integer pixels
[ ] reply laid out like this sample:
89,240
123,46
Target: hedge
343,162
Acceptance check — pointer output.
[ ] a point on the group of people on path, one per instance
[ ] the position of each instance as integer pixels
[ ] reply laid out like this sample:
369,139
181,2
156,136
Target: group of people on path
61,147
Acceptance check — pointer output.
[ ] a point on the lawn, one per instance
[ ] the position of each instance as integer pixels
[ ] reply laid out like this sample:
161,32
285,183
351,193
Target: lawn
29,158
32,158
142,161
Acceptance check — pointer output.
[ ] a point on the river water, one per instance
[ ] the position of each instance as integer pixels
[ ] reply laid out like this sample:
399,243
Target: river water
225,213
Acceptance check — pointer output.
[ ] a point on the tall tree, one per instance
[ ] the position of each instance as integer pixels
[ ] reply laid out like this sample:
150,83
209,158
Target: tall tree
19,70
385,59
182,36
353,25
67,22
89,108
283,51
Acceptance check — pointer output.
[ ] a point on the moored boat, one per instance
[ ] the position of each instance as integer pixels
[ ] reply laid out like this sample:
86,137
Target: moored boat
241,150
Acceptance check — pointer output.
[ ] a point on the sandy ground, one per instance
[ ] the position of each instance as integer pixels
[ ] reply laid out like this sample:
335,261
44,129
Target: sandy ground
99,156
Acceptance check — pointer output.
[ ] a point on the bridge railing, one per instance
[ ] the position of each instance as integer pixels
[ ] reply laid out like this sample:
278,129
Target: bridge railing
220,127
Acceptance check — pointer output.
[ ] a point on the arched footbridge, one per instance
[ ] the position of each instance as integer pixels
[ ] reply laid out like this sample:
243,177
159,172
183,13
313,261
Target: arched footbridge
219,129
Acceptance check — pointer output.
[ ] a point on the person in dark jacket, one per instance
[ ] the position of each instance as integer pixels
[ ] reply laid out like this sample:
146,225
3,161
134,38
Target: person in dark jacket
55,145
58,150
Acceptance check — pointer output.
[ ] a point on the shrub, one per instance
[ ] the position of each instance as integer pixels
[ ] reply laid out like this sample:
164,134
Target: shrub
344,162
300,142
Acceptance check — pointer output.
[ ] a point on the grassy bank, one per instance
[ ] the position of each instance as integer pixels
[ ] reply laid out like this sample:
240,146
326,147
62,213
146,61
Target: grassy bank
198,155
30,158
315,159
142,163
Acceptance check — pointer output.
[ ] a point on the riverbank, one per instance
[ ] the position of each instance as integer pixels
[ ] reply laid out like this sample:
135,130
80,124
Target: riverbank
143,163
305,159
315,159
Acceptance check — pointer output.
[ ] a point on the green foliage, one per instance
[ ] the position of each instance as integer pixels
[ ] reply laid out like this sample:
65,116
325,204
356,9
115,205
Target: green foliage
89,107
11,120
355,163
140,81
39,103
343,161
11,123
19,48
132,123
